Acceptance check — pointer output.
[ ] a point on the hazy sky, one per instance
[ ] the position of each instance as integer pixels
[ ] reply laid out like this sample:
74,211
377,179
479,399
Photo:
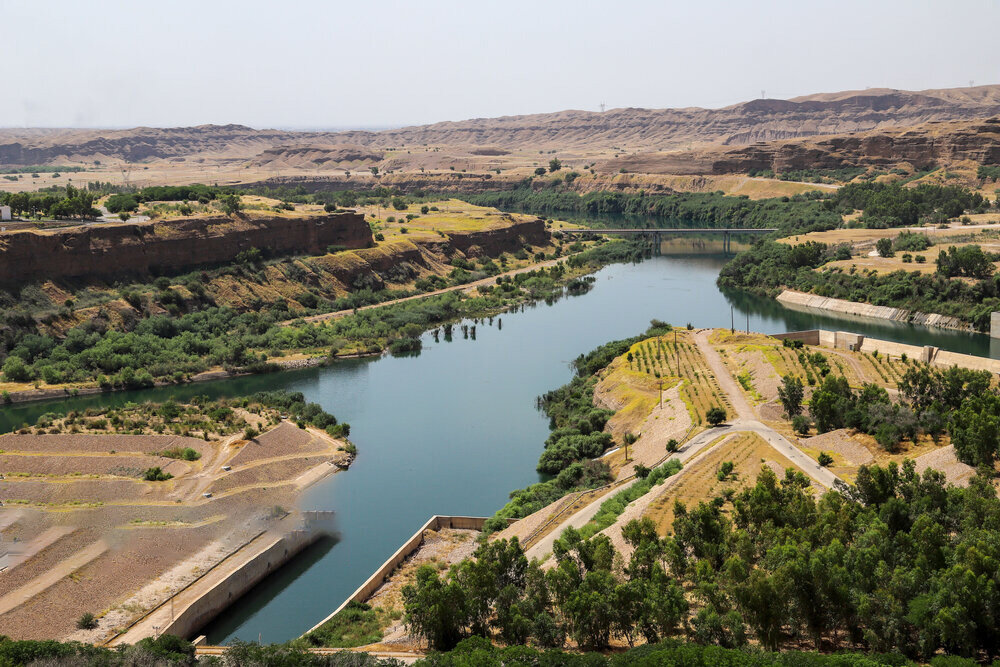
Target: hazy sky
375,63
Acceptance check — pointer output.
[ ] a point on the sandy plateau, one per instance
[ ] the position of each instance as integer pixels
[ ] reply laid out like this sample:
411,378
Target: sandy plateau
81,531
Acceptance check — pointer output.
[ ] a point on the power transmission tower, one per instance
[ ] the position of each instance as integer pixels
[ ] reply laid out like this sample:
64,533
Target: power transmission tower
602,107
126,169
763,94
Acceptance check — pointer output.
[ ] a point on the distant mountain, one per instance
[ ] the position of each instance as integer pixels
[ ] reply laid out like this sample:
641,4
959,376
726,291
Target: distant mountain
627,130
928,145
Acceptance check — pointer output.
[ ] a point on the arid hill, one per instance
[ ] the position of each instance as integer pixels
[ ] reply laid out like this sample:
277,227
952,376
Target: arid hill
627,130
928,145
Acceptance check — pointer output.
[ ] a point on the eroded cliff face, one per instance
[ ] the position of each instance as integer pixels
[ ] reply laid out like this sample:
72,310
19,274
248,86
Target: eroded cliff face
928,145
170,246
492,242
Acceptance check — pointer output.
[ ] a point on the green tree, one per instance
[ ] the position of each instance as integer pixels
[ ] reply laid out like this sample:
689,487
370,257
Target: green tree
555,165
975,430
715,415
884,247
435,609
231,204
791,393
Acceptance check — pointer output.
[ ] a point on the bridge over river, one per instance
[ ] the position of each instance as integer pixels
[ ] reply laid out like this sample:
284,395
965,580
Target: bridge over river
657,234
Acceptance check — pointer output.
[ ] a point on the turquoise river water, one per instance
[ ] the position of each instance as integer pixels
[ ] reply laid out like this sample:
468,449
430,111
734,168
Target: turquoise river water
455,429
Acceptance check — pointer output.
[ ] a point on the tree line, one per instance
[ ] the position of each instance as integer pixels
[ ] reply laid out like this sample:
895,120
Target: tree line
900,563
61,202
769,266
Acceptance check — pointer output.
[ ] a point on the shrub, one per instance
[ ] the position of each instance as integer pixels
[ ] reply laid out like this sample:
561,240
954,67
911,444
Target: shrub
825,459
86,621
801,424
156,475
715,415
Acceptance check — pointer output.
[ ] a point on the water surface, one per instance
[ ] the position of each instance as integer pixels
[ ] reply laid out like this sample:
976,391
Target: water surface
455,429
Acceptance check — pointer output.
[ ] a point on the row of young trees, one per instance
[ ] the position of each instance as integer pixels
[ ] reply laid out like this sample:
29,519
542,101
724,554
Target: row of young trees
899,562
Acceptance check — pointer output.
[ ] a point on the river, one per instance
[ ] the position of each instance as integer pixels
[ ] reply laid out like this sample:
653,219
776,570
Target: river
455,429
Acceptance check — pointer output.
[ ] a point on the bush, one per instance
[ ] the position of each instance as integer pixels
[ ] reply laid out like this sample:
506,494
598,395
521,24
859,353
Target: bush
156,475
715,416
825,459
86,621
801,424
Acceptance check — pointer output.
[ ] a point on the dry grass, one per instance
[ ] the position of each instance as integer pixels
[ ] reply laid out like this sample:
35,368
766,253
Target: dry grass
700,482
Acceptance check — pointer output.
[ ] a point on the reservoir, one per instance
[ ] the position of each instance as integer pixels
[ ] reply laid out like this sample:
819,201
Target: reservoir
454,429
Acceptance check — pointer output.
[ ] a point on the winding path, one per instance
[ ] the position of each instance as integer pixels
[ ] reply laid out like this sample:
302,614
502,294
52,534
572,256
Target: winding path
746,421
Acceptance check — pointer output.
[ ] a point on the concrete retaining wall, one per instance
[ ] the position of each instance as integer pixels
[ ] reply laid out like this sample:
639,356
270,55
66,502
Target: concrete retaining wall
810,337
378,578
803,300
928,354
222,595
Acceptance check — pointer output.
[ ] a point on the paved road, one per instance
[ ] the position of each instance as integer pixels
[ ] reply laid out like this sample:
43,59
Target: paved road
588,512
746,421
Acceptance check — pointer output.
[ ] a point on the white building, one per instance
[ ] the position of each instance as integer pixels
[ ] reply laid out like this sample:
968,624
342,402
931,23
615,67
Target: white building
5,213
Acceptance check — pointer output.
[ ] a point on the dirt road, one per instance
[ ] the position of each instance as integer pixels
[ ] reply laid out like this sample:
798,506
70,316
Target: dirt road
467,287
746,421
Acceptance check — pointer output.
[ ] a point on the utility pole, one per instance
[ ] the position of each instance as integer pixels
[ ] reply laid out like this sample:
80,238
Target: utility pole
732,321
677,355
748,322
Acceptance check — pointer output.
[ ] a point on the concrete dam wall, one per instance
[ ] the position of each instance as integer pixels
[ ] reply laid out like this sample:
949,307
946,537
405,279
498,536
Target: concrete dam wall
802,300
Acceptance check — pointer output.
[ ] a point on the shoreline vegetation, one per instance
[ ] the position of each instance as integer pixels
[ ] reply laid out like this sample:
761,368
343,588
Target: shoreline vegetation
577,438
230,337
776,563
181,329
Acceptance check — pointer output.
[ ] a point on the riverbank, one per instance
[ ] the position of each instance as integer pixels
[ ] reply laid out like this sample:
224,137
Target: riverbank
115,524
492,301
805,300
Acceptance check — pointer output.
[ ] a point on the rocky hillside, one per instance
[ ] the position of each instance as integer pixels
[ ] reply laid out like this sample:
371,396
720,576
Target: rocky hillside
932,144
102,251
628,129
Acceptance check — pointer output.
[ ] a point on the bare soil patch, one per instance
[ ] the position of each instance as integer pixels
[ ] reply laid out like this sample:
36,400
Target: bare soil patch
119,466
66,443
840,443
944,460
272,473
284,439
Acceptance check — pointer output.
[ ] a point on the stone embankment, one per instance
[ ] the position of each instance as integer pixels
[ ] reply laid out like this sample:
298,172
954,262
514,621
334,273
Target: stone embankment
859,343
169,246
795,299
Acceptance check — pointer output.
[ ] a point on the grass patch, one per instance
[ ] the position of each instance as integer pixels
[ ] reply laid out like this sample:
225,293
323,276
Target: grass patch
613,507
358,624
